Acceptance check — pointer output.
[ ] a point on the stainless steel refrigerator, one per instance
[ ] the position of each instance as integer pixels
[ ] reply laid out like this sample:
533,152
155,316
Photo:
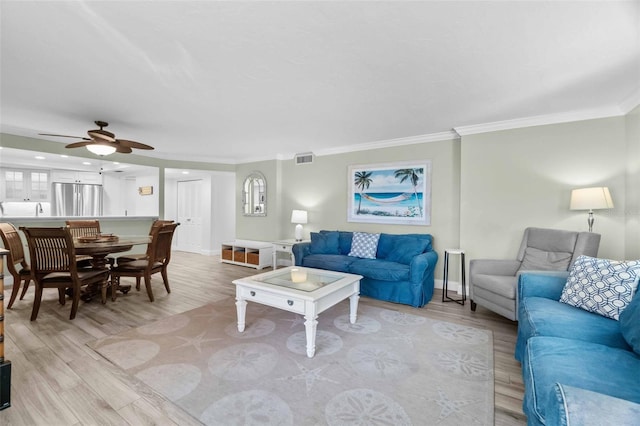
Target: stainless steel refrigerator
76,199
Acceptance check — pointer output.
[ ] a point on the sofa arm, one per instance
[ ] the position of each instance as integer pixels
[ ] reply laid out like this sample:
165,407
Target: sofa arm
504,267
300,250
547,284
567,405
422,266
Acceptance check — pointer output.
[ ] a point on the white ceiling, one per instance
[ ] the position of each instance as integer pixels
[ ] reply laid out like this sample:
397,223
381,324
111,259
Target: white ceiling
241,81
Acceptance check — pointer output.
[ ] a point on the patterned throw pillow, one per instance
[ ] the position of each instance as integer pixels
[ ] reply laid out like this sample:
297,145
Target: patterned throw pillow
601,286
364,245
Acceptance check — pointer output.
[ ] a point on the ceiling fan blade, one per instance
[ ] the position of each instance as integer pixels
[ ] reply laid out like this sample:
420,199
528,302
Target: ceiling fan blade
64,136
133,144
79,144
123,149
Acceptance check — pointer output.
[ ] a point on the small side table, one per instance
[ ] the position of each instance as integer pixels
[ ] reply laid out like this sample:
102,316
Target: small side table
285,246
445,278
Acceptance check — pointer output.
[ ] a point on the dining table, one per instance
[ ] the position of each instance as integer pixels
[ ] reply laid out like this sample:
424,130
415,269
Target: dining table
99,247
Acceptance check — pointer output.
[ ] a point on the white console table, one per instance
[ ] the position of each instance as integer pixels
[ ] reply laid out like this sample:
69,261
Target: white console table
254,254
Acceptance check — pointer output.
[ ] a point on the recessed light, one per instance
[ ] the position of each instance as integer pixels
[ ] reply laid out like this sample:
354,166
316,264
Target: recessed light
86,163
115,162
185,173
40,157
64,156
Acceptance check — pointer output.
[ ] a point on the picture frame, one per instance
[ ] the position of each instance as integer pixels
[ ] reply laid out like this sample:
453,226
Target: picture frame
391,193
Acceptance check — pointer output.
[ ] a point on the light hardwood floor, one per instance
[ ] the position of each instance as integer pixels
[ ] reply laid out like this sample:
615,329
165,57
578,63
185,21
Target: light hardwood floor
58,380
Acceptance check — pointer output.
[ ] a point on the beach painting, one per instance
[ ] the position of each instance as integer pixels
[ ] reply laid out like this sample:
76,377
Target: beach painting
394,193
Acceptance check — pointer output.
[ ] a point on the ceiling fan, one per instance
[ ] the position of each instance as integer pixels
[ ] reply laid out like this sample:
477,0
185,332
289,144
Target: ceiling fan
102,142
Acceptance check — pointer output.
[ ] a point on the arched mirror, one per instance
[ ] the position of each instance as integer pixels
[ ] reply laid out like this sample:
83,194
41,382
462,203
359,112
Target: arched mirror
254,195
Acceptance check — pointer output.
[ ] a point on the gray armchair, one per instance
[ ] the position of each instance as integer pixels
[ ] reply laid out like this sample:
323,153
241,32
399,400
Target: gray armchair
493,283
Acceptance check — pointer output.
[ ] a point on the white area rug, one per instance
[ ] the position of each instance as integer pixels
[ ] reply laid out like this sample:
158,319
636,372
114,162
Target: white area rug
389,368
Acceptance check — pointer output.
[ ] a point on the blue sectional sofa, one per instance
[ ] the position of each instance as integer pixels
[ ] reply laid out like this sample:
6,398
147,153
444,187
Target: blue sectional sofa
402,271
578,367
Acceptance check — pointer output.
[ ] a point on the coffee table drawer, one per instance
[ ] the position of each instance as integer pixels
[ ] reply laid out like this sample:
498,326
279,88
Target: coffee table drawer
287,303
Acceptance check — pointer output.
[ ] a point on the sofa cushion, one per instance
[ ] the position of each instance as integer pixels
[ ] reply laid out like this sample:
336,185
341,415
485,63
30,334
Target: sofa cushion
387,242
404,249
332,262
364,245
630,323
344,240
540,260
379,269
600,285
539,316
599,368
567,405
324,243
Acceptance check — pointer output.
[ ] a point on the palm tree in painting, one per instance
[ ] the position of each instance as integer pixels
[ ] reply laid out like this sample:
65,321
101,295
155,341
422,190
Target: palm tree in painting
362,180
412,175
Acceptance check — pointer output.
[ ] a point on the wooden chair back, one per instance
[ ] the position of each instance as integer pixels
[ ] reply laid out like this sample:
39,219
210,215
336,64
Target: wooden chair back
83,228
13,243
53,265
51,250
160,247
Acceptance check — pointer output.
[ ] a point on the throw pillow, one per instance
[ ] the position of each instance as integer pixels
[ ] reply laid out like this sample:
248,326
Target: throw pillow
630,324
324,243
601,286
404,249
364,245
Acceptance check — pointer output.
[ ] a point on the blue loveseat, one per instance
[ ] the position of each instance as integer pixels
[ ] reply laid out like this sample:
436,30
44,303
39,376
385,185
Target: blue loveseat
578,367
402,271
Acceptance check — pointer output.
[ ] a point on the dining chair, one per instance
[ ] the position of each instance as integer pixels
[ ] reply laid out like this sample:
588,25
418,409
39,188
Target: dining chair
158,223
52,252
157,261
21,274
83,228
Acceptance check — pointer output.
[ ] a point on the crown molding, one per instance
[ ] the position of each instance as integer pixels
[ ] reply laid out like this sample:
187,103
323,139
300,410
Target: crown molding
389,143
630,102
540,120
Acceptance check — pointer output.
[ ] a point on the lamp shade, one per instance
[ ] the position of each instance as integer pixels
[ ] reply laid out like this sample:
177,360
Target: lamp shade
101,149
591,199
299,216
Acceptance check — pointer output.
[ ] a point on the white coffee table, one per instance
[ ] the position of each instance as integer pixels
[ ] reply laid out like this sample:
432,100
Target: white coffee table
316,291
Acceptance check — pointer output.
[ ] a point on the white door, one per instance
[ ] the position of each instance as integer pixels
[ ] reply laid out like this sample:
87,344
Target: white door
189,234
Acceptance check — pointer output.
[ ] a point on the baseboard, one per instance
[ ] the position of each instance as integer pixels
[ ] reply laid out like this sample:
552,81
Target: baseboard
452,286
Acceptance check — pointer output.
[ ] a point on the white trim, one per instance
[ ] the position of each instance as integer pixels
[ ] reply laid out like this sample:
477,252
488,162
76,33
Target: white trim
630,102
539,120
410,140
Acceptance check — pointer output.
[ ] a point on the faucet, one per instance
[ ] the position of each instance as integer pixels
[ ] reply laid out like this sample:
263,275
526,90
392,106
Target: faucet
39,209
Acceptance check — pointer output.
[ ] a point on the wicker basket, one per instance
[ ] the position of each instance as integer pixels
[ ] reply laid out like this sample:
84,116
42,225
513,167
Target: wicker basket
238,256
253,258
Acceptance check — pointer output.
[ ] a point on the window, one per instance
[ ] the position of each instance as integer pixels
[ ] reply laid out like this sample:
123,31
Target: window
25,185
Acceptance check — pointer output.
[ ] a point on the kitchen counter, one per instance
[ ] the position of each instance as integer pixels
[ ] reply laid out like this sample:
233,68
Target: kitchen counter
64,218
117,225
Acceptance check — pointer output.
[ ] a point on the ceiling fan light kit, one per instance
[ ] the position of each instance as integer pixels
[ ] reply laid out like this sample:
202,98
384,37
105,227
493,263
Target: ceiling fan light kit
101,149
103,142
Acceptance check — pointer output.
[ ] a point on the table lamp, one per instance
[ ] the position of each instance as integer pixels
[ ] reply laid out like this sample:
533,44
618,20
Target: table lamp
591,199
299,217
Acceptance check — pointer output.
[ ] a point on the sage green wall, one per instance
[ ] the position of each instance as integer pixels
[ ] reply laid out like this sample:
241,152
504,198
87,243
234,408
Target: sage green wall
632,246
517,178
260,228
321,189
